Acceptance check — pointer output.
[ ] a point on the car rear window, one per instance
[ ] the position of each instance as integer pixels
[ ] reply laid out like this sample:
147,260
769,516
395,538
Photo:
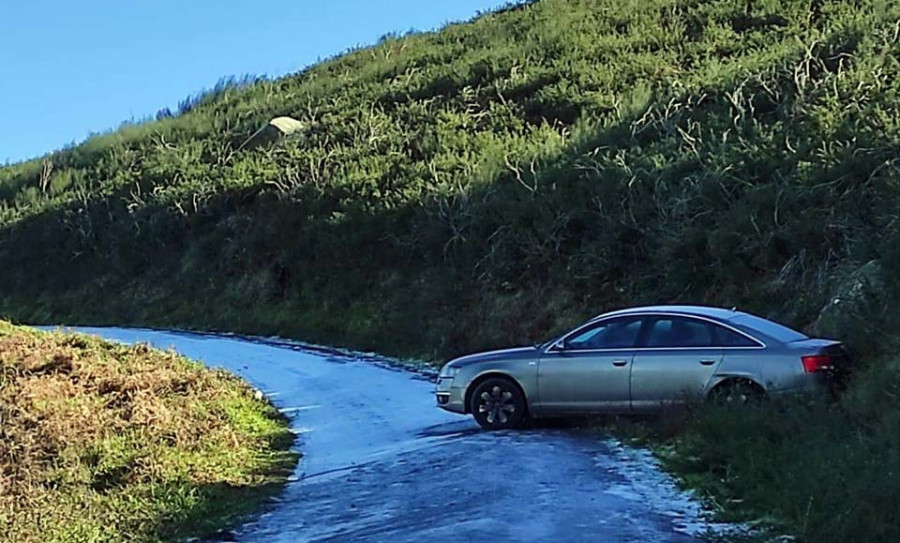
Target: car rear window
730,338
679,332
769,328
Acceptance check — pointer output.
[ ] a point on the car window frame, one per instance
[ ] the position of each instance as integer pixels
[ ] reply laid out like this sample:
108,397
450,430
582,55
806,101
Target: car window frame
555,345
642,344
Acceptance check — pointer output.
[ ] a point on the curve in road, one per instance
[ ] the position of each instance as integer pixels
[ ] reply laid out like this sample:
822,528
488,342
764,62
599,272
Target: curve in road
382,463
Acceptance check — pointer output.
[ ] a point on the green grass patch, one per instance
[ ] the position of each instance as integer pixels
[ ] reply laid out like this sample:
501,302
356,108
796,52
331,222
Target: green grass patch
820,470
103,442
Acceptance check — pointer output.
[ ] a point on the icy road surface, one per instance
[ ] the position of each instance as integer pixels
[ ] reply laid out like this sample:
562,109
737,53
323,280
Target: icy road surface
382,463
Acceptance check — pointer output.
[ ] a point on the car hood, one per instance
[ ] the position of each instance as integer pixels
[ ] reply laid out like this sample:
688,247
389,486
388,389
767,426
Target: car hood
518,353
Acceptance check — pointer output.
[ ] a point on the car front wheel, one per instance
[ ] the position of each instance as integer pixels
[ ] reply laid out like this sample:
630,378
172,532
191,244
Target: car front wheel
498,404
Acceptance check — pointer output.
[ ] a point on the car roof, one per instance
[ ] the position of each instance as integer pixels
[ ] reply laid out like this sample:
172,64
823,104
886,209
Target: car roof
740,320
716,313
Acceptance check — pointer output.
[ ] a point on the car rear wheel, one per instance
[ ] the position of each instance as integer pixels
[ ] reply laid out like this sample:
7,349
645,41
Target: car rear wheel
738,392
498,404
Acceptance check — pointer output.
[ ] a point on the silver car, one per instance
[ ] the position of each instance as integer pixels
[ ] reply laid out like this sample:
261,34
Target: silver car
640,360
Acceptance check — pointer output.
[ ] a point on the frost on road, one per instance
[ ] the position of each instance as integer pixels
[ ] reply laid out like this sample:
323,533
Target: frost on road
382,463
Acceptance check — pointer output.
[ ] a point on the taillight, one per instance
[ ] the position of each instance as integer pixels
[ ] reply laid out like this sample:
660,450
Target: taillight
817,362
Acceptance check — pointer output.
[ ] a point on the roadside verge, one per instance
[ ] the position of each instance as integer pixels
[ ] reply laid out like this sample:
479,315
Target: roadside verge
104,442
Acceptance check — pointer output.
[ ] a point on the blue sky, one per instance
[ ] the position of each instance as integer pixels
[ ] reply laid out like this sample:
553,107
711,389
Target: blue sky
68,69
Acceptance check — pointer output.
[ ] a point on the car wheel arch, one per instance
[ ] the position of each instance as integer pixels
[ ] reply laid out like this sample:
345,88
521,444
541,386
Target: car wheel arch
730,380
492,375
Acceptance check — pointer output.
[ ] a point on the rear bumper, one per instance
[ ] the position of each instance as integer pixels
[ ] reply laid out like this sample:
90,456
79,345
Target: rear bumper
808,383
450,398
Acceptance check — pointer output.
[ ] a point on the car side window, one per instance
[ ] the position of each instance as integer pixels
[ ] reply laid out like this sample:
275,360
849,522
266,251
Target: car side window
730,338
620,333
675,332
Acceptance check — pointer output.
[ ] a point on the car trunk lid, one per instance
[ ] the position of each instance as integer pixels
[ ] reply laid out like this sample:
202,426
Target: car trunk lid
825,356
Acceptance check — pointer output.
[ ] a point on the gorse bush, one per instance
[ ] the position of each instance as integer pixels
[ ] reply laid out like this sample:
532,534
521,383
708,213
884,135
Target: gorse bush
499,180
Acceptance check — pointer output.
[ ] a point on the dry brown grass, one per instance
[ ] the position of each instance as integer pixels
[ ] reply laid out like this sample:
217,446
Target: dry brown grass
101,442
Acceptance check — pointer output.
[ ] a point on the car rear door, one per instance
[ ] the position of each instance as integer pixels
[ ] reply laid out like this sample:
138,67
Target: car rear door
676,358
591,370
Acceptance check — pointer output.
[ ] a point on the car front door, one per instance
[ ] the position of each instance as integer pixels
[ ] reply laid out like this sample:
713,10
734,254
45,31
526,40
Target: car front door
589,370
676,359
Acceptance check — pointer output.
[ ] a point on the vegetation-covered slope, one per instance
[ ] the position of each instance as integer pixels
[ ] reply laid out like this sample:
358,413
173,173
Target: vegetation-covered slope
100,442
489,182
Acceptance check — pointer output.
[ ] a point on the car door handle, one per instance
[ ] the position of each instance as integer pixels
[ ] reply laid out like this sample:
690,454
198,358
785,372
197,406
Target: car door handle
620,363
707,362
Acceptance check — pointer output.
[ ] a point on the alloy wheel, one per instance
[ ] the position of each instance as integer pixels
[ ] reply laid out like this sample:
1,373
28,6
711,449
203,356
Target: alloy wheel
497,404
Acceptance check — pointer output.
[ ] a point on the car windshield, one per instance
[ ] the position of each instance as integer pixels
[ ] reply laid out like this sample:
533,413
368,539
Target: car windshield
769,328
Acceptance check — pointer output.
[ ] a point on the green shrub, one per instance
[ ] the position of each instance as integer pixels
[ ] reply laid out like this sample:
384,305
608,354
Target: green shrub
826,472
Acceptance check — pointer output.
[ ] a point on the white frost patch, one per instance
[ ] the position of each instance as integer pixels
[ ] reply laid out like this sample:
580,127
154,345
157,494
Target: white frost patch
644,481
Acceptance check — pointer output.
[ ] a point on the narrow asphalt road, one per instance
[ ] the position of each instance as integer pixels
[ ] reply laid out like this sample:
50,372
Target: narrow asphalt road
381,463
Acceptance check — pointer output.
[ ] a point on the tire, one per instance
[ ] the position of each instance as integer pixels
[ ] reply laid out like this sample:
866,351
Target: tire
498,404
738,392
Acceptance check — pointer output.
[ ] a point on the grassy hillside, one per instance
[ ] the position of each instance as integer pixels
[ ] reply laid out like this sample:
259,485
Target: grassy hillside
488,183
100,442
498,180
